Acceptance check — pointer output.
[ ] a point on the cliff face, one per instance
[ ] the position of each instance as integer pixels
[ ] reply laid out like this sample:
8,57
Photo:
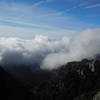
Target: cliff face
74,81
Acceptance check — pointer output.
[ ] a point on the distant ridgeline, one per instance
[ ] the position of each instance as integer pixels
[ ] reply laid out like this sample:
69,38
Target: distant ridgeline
73,81
97,57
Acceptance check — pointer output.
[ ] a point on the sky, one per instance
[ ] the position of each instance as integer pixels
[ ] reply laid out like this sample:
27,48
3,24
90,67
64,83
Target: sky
53,18
48,32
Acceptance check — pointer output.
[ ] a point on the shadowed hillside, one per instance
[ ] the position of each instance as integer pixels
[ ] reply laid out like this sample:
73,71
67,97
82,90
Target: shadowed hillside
12,89
73,81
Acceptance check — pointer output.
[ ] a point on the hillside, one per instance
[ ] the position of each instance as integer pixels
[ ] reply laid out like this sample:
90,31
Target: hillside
73,81
12,89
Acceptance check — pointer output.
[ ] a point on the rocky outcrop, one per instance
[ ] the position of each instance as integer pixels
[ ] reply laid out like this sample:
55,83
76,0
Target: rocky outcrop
74,81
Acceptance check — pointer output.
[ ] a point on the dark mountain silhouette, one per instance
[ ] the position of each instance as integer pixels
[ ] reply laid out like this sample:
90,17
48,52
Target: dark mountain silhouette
12,89
73,81
29,77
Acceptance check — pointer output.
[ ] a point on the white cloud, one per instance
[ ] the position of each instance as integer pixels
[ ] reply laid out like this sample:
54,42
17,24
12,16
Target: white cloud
50,54
15,51
85,45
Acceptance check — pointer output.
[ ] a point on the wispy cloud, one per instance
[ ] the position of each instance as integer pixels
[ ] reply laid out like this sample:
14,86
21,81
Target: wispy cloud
38,3
42,2
29,33
35,17
77,6
24,23
93,6
44,20
66,10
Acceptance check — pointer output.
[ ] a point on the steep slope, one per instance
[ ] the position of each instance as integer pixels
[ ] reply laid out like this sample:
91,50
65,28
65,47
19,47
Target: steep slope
74,81
29,77
12,89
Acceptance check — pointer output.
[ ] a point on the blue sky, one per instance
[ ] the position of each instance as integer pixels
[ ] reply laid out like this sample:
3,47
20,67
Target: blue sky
54,18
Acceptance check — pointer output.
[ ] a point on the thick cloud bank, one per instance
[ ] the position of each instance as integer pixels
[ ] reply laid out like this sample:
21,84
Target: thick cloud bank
49,54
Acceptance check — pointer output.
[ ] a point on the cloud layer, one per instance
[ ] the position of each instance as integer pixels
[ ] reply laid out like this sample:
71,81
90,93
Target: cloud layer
49,54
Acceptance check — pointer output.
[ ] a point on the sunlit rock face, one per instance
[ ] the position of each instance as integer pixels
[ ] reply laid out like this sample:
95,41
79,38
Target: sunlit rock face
97,96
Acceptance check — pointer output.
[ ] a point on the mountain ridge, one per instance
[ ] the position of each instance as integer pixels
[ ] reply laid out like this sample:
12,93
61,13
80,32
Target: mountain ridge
78,80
